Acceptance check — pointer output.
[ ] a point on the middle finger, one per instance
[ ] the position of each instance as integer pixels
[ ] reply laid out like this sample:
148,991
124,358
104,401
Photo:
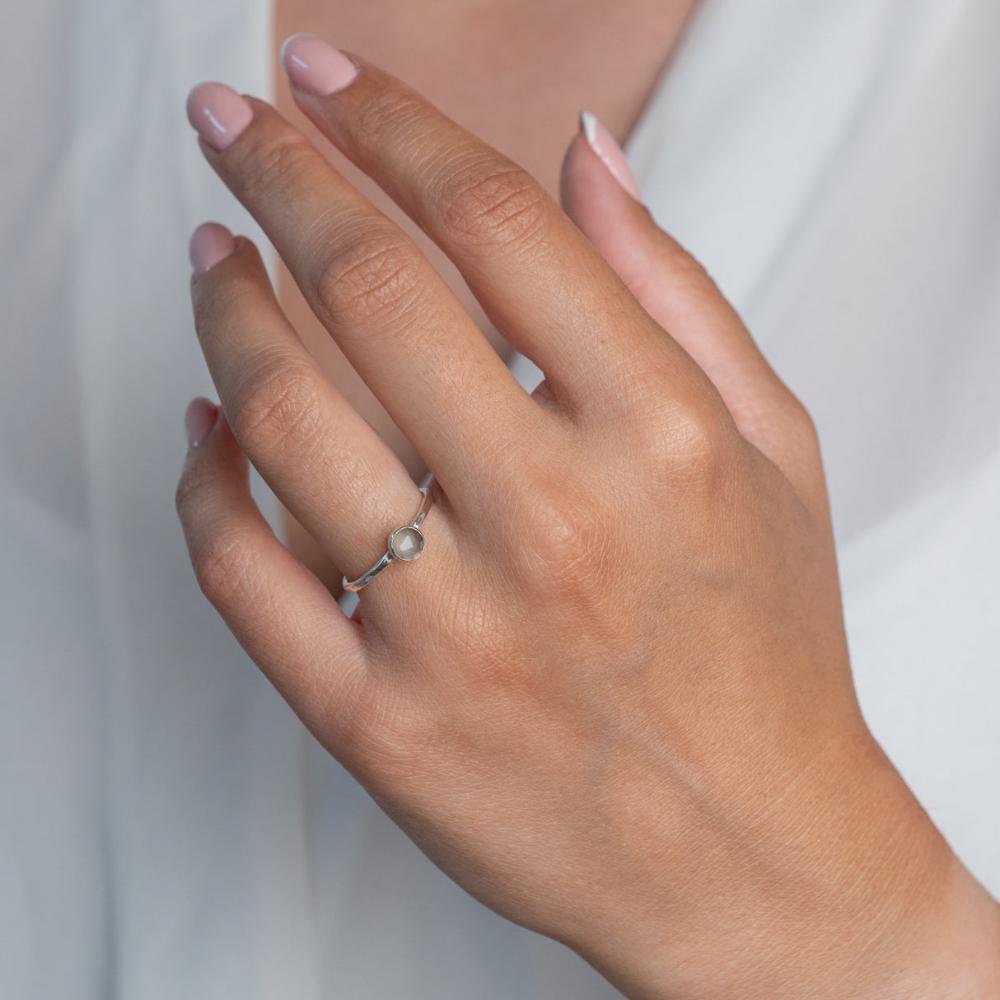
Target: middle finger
538,278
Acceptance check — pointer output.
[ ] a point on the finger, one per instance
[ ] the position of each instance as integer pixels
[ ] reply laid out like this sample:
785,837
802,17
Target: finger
319,456
537,279
600,195
400,327
282,615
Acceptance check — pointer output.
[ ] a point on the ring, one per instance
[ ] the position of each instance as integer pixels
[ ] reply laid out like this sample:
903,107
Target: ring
405,543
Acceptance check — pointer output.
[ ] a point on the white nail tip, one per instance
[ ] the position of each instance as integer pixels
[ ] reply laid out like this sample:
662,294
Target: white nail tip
288,41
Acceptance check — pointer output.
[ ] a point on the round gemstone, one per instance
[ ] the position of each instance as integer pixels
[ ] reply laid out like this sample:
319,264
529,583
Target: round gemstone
406,543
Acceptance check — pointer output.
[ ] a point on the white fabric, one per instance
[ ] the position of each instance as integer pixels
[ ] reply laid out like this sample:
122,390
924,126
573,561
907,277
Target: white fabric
166,828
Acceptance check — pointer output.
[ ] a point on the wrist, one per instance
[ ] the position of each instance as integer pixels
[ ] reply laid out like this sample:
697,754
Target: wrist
859,896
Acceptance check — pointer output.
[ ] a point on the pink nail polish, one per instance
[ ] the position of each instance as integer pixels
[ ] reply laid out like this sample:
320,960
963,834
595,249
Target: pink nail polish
199,419
314,66
209,244
218,114
602,142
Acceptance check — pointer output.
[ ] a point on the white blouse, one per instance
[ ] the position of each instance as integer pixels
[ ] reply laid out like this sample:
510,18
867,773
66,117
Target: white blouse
166,826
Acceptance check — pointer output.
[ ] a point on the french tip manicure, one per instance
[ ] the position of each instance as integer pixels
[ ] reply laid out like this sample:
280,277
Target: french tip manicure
218,114
607,150
315,67
210,243
199,419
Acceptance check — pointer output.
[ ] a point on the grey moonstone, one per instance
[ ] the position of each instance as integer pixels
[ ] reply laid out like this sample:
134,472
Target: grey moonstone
406,543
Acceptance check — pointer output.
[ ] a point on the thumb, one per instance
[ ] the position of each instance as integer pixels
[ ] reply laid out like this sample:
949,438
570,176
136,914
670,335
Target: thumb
599,192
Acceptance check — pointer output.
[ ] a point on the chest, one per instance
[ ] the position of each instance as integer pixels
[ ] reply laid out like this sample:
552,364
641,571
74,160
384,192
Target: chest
517,73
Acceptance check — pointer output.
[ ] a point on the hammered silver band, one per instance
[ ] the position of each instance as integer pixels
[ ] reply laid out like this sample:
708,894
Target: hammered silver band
406,543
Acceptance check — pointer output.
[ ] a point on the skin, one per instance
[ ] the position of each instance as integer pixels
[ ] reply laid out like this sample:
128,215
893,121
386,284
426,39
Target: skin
526,69
613,698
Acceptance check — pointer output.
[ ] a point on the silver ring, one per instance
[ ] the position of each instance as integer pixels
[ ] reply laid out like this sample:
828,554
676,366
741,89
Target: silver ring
406,543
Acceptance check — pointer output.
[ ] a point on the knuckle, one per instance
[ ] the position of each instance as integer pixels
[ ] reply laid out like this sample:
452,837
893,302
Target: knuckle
386,734
565,532
376,280
224,566
683,265
684,439
397,742
272,166
494,203
693,433
216,305
675,268
799,419
187,496
276,407
779,417
386,111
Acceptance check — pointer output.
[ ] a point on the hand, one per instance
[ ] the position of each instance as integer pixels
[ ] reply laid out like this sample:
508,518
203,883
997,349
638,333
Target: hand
612,699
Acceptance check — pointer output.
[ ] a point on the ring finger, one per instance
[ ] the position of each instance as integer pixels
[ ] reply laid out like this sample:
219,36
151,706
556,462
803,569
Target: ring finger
326,464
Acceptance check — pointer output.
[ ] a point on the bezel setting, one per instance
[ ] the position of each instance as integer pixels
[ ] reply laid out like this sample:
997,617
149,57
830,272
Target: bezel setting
397,543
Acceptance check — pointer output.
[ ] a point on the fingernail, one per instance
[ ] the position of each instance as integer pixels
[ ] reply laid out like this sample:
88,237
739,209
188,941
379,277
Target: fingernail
218,114
602,142
209,244
314,66
199,419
